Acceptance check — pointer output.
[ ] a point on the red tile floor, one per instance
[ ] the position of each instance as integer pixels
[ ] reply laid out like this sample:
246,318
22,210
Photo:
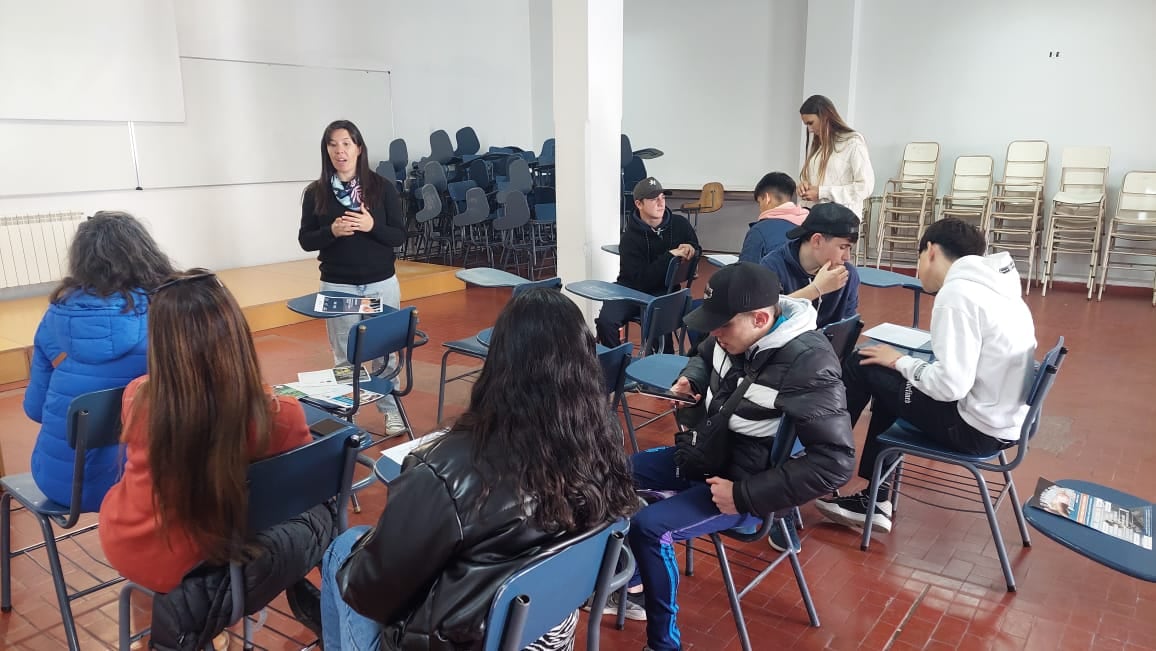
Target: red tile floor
933,583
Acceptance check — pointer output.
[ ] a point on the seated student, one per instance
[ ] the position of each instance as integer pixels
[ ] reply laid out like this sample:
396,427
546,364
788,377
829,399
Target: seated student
815,264
97,319
536,459
970,399
192,426
653,236
796,374
775,195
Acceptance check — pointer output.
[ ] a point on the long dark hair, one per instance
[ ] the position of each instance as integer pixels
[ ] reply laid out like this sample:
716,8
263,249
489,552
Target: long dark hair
113,253
371,183
540,402
203,396
831,126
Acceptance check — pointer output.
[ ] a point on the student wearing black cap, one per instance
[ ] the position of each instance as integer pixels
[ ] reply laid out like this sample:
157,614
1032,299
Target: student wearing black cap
653,236
815,264
792,372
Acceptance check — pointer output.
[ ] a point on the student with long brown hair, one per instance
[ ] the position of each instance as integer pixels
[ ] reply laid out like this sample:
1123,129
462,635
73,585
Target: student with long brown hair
838,166
192,426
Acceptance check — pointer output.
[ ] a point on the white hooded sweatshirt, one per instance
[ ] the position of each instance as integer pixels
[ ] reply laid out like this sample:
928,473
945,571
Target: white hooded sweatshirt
984,342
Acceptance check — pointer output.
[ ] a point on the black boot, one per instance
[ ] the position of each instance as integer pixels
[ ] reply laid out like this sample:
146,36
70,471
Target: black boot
305,603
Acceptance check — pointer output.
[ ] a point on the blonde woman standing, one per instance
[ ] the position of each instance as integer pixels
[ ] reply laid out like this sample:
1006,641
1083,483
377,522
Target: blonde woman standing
838,167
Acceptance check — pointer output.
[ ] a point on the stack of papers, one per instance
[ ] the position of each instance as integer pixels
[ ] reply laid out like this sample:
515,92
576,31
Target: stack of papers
332,394
900,336
390,465
339,375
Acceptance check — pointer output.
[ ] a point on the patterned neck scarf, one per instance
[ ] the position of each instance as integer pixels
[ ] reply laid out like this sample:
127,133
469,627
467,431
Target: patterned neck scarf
349,194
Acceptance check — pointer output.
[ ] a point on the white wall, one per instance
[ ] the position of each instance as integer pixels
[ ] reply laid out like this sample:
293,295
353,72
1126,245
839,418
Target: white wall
716,86
976,76
452,64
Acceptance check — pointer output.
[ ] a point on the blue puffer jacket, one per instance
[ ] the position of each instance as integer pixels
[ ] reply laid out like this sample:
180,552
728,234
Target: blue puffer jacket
104,347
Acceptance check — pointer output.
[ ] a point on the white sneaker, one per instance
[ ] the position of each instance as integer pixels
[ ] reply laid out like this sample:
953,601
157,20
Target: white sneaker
394,424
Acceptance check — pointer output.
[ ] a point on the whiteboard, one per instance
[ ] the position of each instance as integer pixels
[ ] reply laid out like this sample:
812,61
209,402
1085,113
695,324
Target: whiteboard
249,122
51,157
113,60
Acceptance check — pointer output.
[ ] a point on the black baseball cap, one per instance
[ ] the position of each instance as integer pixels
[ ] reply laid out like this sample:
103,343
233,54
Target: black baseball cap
647,188
734,289
833,219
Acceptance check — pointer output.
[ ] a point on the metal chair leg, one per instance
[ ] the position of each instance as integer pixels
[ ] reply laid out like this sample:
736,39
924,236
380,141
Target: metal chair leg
732,593
1000,549
5,553
802,581
58,582
689,570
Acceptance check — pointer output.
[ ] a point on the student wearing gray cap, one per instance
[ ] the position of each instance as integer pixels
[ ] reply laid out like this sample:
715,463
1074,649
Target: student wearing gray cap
653,236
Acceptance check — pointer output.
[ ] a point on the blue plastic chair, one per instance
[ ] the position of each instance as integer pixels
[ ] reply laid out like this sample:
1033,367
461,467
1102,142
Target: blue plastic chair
468,145
903,440
280,488
843,335
471,347
399,158
380,337
544,593
782,449
614,362
441,149
93,422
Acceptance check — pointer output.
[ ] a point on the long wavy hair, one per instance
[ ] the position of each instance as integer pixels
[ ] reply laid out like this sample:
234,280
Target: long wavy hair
204,396
822,143
371,183
539,413
113,253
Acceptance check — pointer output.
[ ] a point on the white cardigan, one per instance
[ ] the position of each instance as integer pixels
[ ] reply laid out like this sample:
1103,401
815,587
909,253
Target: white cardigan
849,180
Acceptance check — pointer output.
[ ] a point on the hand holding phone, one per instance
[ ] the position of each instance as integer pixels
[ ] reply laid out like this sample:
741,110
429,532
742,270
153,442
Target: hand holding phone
667,394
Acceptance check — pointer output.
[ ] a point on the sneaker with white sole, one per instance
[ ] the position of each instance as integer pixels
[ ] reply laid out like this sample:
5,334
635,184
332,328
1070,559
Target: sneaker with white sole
394,423
779,539
851,511
635,608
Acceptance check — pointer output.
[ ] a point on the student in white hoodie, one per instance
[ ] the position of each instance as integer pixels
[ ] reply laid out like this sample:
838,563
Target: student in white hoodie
971,398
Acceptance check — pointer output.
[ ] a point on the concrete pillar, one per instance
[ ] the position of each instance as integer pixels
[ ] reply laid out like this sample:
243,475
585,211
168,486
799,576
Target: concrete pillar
587,125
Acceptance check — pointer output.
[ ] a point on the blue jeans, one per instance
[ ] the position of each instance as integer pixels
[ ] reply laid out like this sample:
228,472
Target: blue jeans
389,291
343,628
655,529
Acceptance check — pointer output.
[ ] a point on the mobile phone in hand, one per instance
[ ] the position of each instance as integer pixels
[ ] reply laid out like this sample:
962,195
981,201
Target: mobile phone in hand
666,394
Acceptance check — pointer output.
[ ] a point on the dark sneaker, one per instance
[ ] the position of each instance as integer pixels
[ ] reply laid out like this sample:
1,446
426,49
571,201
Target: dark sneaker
305,603
635,606
851,511
780,539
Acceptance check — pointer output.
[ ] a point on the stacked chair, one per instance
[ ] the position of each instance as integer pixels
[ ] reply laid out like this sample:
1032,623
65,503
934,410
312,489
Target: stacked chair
1132,231
970,192
908,203
1077,213
1015,212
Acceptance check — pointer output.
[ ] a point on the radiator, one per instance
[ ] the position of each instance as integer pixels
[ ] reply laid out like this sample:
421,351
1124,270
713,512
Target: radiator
34,248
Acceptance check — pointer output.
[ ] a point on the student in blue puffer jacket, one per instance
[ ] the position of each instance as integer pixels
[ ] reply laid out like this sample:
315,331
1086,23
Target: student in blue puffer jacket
92,337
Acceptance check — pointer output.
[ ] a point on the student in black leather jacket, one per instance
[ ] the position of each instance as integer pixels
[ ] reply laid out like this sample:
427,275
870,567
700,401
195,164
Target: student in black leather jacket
534,461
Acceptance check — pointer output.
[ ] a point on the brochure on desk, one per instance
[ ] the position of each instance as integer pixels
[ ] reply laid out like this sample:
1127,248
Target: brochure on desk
339,375
338,305
336,395
1133,525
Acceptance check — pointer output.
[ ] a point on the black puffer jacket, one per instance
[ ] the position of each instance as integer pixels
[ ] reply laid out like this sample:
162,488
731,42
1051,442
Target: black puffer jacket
800,378
430,568
189,617
644,252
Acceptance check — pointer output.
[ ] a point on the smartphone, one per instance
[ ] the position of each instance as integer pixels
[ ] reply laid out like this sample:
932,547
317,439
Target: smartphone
328,426
667,394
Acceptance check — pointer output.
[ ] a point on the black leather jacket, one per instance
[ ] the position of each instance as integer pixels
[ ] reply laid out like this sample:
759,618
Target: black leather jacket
805,379
430,568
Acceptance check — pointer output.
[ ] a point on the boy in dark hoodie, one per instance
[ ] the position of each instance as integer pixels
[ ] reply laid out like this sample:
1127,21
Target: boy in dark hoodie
653,237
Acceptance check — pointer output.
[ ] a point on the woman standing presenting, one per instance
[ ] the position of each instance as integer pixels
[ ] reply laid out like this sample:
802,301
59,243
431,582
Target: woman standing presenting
838,167
354,219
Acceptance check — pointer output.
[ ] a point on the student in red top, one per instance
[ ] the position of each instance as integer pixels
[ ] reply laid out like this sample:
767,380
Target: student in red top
192,426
